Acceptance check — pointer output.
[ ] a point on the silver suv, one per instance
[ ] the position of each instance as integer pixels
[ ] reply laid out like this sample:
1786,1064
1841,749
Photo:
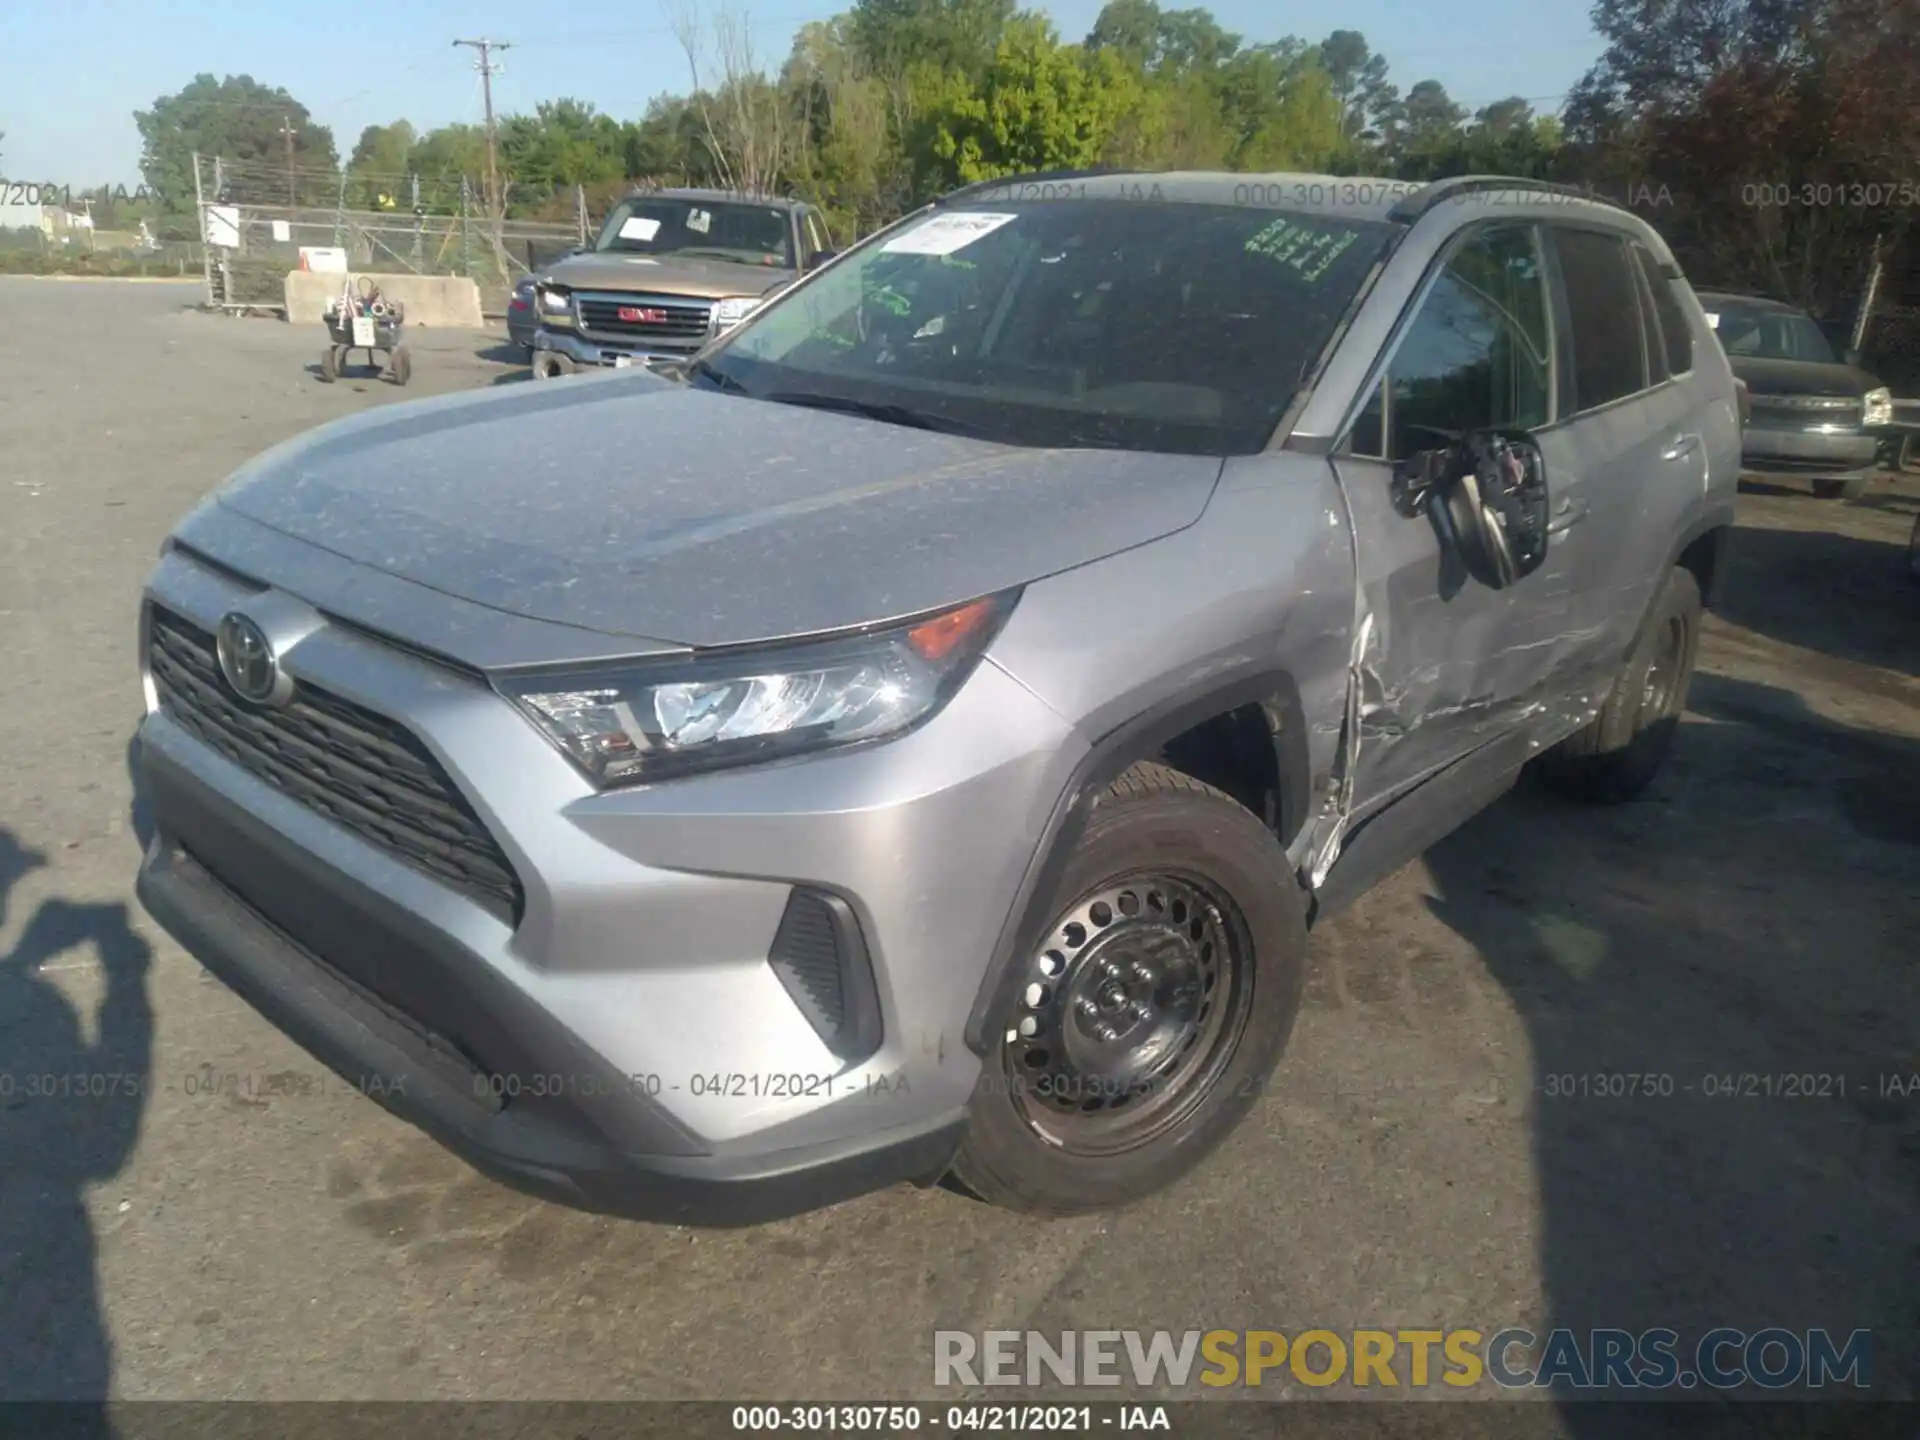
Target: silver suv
919,741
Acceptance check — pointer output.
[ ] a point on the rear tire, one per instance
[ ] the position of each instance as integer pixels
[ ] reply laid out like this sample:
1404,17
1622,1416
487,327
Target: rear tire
1849,487
400,365
1618,754
330,364
1160,1000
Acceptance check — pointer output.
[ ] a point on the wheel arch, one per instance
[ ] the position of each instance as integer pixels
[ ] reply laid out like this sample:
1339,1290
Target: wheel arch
1211,732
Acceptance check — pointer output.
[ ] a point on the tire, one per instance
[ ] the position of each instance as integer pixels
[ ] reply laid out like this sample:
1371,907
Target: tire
330,364
1208,1032
549,364
1848,487
1616,757
400,365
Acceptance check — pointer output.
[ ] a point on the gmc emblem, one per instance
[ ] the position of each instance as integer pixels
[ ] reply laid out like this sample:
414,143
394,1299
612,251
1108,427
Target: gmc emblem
642,315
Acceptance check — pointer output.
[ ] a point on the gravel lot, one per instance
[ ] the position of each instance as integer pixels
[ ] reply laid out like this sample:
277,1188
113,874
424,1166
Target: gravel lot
1756,915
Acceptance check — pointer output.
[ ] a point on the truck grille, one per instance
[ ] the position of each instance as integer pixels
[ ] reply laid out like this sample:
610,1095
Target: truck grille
363,771
1809,412
669,318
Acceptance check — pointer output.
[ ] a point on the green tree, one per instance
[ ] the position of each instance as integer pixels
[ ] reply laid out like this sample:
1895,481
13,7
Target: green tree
562,144
381,160
1040,106
1359,79
237,120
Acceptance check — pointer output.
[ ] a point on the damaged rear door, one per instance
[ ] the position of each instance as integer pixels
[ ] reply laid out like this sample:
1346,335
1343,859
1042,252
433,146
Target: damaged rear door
1442,664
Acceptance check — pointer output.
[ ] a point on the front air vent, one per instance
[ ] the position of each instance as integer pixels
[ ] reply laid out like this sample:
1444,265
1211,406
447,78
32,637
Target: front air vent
821,958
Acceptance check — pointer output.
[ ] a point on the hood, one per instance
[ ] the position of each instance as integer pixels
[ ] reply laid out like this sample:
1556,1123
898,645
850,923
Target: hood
666,275
1802,377
634,507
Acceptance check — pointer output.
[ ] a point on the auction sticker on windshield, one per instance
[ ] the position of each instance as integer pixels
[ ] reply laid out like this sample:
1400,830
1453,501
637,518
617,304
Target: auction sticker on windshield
944,234
639,227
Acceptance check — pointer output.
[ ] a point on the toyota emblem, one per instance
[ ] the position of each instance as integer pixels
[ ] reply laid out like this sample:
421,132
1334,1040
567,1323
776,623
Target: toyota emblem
248,662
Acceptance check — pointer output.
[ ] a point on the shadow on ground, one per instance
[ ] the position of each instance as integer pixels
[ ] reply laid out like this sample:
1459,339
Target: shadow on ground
1838,595
70,1111
1720,982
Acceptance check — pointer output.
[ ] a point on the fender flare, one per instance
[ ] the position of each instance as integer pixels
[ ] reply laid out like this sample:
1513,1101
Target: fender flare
1137,739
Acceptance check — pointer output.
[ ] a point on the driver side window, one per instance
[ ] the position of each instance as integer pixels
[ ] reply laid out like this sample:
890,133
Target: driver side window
1477,356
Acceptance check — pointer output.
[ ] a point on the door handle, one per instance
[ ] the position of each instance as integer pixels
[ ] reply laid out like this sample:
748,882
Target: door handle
1682,447
1566,515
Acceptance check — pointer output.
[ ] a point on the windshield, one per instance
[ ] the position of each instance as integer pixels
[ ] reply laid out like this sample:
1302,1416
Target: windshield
1772,335
1080,323
740,231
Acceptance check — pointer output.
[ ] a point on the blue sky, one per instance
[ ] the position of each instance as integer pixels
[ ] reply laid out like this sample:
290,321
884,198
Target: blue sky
73,71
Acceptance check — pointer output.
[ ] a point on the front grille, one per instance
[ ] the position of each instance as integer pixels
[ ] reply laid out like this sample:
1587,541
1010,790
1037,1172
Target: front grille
361,770
1809,412
650,317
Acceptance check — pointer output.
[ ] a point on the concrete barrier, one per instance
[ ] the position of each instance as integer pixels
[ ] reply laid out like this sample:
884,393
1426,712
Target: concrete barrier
431,301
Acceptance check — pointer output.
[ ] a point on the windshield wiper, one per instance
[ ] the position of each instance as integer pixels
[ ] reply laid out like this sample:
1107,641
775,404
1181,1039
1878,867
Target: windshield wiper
708,370
879,410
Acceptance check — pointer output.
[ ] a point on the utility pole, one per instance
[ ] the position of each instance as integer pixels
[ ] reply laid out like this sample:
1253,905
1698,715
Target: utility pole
487,68
286,129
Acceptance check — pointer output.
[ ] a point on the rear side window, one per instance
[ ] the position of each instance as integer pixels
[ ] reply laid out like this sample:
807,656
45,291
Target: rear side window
1603,308
1675,334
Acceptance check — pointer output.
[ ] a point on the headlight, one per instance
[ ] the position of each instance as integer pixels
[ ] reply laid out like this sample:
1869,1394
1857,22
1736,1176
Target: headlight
648,720
1879,407
555,302
733,311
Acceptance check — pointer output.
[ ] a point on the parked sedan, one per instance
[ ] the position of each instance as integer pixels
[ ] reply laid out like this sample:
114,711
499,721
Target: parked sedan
521,321
1814,412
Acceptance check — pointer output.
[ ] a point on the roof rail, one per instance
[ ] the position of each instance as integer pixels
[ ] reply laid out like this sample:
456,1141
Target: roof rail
1454,187
1034,177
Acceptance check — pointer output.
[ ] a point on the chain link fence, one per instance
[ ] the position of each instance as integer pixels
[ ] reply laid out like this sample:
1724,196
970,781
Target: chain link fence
257,219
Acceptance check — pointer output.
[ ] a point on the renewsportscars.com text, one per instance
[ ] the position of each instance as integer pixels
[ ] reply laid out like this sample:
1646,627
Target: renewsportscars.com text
1512,1359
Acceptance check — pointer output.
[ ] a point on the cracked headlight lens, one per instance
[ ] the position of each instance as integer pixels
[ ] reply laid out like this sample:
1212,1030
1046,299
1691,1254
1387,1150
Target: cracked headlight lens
648,720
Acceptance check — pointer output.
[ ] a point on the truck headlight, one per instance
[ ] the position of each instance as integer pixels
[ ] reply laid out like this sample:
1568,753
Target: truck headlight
1879,407
649,720
732,311
555,302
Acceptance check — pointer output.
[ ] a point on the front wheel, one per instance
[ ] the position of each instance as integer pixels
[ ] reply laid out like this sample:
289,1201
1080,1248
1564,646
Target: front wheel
1841,487
1616,756
1155,1007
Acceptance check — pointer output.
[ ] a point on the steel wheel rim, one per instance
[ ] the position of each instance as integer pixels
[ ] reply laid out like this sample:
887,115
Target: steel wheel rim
1133,1005
1663,674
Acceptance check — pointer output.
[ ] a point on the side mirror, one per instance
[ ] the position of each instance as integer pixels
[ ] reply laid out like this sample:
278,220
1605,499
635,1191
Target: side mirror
1850,355
1487,497
821,257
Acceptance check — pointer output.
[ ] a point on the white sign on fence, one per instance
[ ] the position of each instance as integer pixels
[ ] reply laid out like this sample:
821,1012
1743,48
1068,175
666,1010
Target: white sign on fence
326,259
282,232
223,226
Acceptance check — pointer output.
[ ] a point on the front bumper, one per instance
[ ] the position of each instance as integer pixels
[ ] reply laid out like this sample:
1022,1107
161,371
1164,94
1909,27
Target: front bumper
624,1043
586,352
1808,452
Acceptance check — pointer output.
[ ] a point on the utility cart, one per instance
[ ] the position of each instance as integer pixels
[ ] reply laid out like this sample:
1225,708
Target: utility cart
360,318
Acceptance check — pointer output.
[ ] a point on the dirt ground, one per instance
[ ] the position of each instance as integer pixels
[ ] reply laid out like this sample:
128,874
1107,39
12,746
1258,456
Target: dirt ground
1441,1149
